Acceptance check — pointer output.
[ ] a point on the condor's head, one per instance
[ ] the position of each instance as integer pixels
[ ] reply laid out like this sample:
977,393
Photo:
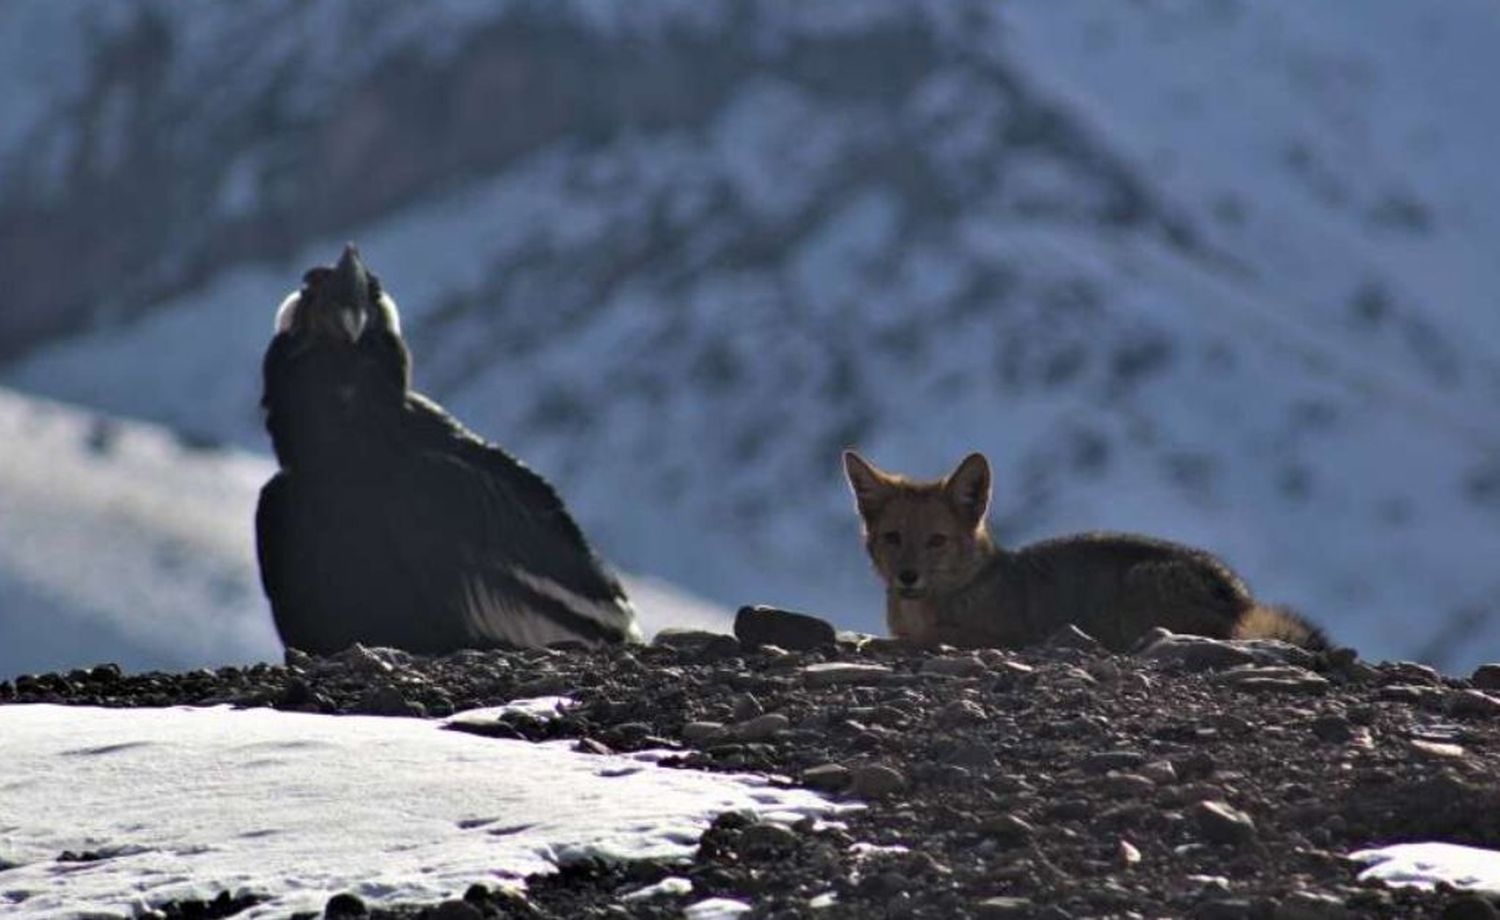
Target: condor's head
336,370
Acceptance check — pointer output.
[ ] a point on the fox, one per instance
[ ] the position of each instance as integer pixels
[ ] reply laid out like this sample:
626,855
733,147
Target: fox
948,582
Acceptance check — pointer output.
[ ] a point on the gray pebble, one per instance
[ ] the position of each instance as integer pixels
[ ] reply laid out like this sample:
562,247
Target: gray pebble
1486,677
1160,772
1126,785
1334,729
844,673
746,706
1105,761
828,777
696,732
1308,905
455,910
876,781
1220,822
959,713
966,666
1004,908
761,727
1473,703
1007,829
767,839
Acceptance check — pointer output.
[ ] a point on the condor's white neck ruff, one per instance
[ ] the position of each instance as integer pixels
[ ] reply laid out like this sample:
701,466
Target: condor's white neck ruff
286,315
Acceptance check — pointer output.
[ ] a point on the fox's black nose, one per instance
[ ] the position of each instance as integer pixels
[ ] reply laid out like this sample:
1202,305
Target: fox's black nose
907,577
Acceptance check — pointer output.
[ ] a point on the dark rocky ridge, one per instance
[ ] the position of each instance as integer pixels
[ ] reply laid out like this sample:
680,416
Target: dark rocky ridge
1053,782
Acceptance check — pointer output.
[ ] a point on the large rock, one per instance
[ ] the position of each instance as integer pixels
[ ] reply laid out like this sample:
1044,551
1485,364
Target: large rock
1200,653
755,626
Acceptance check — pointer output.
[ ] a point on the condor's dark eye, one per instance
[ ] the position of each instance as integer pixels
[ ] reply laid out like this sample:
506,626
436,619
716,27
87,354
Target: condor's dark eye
937,540
891,538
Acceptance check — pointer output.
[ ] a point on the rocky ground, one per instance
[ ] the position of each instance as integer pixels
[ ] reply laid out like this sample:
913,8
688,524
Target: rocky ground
1191,779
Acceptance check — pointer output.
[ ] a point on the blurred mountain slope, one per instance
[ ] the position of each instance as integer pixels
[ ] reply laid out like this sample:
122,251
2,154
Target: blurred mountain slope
1216,271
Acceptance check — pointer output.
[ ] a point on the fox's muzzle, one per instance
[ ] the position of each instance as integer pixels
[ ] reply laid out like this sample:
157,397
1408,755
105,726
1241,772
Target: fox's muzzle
908,583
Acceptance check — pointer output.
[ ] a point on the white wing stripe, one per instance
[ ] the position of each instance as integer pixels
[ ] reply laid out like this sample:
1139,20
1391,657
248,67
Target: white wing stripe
613,614
495,617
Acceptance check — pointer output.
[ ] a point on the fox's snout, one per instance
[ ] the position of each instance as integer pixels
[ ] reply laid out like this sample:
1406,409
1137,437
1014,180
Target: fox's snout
909,583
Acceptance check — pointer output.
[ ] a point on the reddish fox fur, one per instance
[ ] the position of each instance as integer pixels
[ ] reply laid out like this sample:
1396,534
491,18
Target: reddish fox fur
947,582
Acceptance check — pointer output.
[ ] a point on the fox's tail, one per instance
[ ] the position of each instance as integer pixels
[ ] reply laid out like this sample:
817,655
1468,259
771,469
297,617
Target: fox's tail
1266,622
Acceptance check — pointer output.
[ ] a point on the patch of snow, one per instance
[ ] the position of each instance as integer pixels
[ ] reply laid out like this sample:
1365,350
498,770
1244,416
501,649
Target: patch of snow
848,241
863,850
1425,865
776,144
715,909
300,807
537,707
671,886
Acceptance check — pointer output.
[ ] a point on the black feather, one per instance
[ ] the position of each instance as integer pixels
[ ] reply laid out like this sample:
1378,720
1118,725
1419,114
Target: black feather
392,524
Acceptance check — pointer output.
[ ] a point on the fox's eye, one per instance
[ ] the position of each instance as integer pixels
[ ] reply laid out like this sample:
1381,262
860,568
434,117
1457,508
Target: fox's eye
937,540
891,538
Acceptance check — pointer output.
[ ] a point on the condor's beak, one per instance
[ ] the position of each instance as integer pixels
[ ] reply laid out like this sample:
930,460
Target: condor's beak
350,289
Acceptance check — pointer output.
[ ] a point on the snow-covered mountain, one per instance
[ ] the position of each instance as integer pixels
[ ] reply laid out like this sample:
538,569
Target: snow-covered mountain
1219,271
118,543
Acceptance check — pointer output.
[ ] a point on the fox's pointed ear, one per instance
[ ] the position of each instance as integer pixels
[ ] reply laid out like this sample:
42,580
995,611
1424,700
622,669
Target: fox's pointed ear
871,487
968,487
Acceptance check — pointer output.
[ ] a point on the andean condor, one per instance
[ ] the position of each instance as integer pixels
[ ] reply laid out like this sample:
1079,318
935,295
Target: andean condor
390,523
